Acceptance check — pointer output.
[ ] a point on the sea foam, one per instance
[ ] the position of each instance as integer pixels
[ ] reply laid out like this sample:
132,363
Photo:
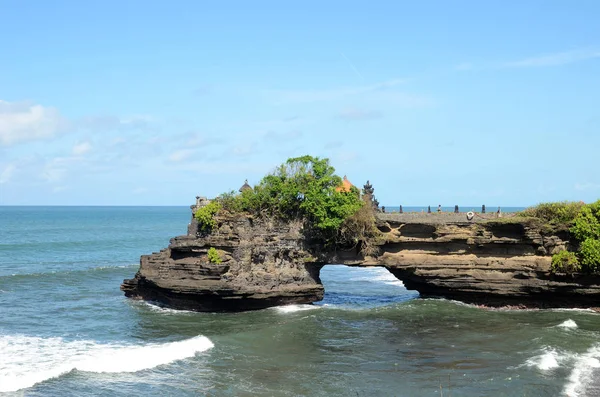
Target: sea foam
568,324
583,373
294,308
30,360
546,361
377,274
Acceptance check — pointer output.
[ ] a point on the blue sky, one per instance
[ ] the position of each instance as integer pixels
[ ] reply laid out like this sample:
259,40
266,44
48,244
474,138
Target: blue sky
153,103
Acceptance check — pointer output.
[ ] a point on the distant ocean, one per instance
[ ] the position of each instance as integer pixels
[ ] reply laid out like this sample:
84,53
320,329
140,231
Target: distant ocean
67,330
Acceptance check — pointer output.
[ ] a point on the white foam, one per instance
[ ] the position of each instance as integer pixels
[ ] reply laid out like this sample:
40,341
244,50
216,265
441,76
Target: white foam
294,308
30,360
166,310
548,360
582,373
568,324
379,274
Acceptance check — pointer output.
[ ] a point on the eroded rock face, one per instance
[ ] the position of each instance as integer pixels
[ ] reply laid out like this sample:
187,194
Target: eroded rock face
263,264
271,263
492,263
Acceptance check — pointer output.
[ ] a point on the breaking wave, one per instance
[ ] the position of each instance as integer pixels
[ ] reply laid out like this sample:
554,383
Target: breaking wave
585,371
294,308
568,324
30,360
547,360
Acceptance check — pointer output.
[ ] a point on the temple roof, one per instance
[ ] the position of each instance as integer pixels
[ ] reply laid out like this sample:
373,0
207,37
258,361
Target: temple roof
346,185
245,186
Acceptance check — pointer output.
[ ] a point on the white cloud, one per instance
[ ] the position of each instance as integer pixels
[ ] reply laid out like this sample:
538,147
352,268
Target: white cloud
243,149
139,190
21,122
464,66
332,94
181,155
334,144
559,58
81,148
358,114
272,136
53,174
7,173
116,123
587,186
58,189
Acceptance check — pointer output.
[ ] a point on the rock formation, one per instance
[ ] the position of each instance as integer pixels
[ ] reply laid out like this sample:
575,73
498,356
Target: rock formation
263,264
267,263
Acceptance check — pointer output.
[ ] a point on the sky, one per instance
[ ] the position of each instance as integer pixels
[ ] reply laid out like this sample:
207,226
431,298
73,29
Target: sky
435,102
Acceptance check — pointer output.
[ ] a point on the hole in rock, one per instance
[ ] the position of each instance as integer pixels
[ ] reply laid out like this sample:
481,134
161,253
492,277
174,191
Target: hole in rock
357,287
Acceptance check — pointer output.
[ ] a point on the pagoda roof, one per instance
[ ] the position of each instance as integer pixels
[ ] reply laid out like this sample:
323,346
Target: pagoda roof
346,186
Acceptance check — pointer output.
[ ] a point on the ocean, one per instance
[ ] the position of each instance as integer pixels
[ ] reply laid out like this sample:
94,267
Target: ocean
67,330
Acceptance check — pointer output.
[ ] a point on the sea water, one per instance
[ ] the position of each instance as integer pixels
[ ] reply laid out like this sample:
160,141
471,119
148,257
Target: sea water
66,329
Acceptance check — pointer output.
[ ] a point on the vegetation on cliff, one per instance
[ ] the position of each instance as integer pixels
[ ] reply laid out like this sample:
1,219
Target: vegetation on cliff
307,189
206,216
213,256
583,223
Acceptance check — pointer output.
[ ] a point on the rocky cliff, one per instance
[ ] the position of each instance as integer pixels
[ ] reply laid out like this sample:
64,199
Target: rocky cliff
265,263
262,264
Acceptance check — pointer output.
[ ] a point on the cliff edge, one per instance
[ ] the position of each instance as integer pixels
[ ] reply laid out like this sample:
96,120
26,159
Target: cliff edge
263,263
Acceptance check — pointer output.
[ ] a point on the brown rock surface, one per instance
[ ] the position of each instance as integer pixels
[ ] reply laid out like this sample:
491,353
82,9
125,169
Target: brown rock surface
492,262
263,264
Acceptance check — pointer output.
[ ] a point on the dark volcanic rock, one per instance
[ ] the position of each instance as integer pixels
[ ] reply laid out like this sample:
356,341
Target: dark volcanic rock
263,264
266,263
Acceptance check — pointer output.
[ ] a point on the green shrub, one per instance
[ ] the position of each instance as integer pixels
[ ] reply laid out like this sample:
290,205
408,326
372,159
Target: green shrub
206,216
565,262
557,214
213,256
587,223
303,188
589,254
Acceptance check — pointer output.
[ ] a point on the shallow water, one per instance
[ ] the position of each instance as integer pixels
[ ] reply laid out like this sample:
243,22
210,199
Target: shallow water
66,329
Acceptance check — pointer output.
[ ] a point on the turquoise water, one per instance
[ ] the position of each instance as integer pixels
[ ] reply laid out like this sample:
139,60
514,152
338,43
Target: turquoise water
66,329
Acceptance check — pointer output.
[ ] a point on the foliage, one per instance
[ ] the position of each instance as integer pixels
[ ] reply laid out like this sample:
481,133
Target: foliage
561,213
583,221
301,188
359,229
589,253
565,262
213,256
587,222
206,216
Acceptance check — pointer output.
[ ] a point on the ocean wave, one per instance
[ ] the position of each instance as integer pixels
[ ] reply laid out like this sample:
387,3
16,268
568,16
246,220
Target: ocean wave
27,361
378,274
568,324
155,307
69,271
547,360
294,308
582,375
